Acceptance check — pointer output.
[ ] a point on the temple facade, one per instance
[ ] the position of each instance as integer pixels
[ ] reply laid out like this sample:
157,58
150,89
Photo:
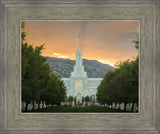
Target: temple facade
79,85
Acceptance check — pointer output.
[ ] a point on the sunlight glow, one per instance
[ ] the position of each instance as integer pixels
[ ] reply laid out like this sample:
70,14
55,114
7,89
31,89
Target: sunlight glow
62,56
109,63
101,61
56,54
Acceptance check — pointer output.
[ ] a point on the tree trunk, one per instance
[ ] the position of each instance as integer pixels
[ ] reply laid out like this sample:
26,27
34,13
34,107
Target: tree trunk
33,106
38,105
119,107
137,107
125,107
43,105
46,105
132,106
26,108
112,105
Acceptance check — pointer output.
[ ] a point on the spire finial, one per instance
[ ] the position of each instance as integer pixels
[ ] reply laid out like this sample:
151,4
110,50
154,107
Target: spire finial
79,35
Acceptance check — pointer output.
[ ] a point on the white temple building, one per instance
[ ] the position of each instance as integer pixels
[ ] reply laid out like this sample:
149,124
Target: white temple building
79,85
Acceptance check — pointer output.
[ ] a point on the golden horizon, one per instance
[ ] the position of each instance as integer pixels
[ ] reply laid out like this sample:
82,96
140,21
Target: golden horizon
107,42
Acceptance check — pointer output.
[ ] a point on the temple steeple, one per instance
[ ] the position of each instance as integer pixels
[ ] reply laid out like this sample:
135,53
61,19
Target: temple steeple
78,54
79,68
79,85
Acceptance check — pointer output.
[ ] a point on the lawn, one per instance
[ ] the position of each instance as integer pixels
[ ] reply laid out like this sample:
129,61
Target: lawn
77,110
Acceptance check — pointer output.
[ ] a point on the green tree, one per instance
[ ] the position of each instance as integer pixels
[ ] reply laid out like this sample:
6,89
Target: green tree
106,92
86,98
38,83
56,91
75,99
82,100
70,98
121,85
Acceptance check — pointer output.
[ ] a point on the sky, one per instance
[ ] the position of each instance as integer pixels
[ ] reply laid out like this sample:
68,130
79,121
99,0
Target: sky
108,42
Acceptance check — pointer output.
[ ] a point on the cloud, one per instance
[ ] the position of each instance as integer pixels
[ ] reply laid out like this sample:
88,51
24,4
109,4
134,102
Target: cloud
102,40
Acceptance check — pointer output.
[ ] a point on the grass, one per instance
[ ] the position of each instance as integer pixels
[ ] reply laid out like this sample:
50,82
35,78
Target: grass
61,109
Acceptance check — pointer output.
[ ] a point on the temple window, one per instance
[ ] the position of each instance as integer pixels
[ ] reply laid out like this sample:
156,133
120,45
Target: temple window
78,85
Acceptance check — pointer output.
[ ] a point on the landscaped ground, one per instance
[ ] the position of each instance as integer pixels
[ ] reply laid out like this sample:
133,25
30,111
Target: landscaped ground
76,109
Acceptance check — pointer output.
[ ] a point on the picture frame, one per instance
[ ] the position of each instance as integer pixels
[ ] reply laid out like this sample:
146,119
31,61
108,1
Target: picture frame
12,120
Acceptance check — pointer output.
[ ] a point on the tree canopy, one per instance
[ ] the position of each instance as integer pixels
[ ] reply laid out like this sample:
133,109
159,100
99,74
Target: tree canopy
121,85
39,83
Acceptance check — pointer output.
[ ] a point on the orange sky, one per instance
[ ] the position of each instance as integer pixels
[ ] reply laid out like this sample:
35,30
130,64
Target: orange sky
106,41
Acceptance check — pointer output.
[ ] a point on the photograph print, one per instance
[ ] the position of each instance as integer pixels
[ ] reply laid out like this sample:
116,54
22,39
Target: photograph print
80,66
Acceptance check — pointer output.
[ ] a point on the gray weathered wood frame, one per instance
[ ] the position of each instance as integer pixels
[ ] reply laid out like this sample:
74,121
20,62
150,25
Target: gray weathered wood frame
146,121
